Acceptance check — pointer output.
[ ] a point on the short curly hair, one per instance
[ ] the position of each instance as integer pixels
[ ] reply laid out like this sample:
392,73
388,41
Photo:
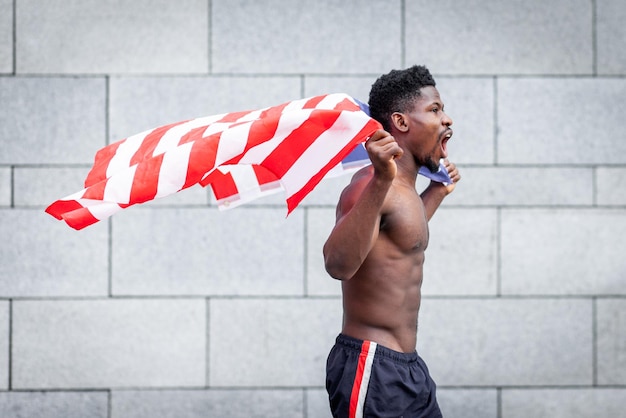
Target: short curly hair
396,91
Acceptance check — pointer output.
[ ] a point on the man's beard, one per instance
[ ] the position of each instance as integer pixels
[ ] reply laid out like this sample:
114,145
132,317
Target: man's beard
430,164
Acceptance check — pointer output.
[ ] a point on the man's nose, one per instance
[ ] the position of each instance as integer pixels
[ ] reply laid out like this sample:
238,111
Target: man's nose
446,120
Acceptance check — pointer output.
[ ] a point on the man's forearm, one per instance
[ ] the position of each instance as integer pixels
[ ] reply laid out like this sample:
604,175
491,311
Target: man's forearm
432,197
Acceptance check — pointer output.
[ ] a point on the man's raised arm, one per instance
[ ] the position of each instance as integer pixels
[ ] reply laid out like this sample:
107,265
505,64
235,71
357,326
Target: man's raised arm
360,208
434,194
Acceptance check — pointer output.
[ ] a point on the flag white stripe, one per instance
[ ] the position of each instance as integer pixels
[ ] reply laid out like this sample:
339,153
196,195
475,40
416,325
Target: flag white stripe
118,186
121,160
330,101
286,125
173,172
346,127
172,137
232,143
100,209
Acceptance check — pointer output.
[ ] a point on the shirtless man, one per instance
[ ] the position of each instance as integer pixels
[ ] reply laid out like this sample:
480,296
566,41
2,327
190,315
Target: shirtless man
377,250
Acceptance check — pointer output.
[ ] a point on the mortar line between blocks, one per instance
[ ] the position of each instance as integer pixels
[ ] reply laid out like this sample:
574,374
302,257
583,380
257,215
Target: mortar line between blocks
594,187
594,341
12,187
305,254
109,403
10,353
495,121
210,36
14,69
403,33
594,38
207,340
110,257
499,252
305,413
107,105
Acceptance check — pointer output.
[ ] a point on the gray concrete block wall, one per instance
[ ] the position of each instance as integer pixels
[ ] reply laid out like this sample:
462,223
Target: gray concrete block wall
174,308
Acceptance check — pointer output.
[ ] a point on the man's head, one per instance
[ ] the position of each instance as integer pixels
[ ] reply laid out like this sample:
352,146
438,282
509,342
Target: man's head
408,105
396,92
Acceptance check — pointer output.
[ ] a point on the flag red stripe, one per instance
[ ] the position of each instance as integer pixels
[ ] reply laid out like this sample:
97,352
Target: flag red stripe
368,130
347,104
96,191
293,146
233,117
313,102
60,207
130,173
99,170
72,212
222,184
146,180
80,218
202,157
150,142
263,175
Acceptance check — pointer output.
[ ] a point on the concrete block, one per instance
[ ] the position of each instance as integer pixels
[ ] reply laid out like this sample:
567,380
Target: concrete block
450,268
357,86
611,341
44,257
97,37
288,45
327,192
610,33
319,224
6,36
461,258
4,344
191,251
468,101
463,403
276,200
507,342
501,38
563,403
54,404
40,186
109,343
138,104
207,403
563,252
470,104
570,131
524,186
271,342
317,404
611,186
6,185
51,120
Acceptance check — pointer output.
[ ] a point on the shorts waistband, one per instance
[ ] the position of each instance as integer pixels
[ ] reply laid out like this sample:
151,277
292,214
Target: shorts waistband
356,344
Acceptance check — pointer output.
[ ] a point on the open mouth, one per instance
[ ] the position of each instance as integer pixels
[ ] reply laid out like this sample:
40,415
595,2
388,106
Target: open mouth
444,142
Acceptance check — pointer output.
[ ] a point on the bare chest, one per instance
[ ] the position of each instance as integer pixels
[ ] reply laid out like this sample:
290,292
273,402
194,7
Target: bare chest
405,223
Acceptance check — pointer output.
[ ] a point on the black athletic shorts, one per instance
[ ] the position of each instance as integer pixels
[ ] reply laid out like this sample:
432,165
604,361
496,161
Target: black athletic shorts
364,379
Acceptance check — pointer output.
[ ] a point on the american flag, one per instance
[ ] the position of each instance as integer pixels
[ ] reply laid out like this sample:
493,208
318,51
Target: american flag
241,155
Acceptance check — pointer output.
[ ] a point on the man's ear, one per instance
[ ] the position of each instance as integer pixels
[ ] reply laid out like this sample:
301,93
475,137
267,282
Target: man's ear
399,121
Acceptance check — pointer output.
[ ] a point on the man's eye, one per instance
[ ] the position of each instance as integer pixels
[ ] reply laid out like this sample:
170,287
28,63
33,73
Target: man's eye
435,109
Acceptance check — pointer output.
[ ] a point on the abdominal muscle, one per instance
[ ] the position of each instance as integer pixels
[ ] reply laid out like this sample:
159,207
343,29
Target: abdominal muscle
381,302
